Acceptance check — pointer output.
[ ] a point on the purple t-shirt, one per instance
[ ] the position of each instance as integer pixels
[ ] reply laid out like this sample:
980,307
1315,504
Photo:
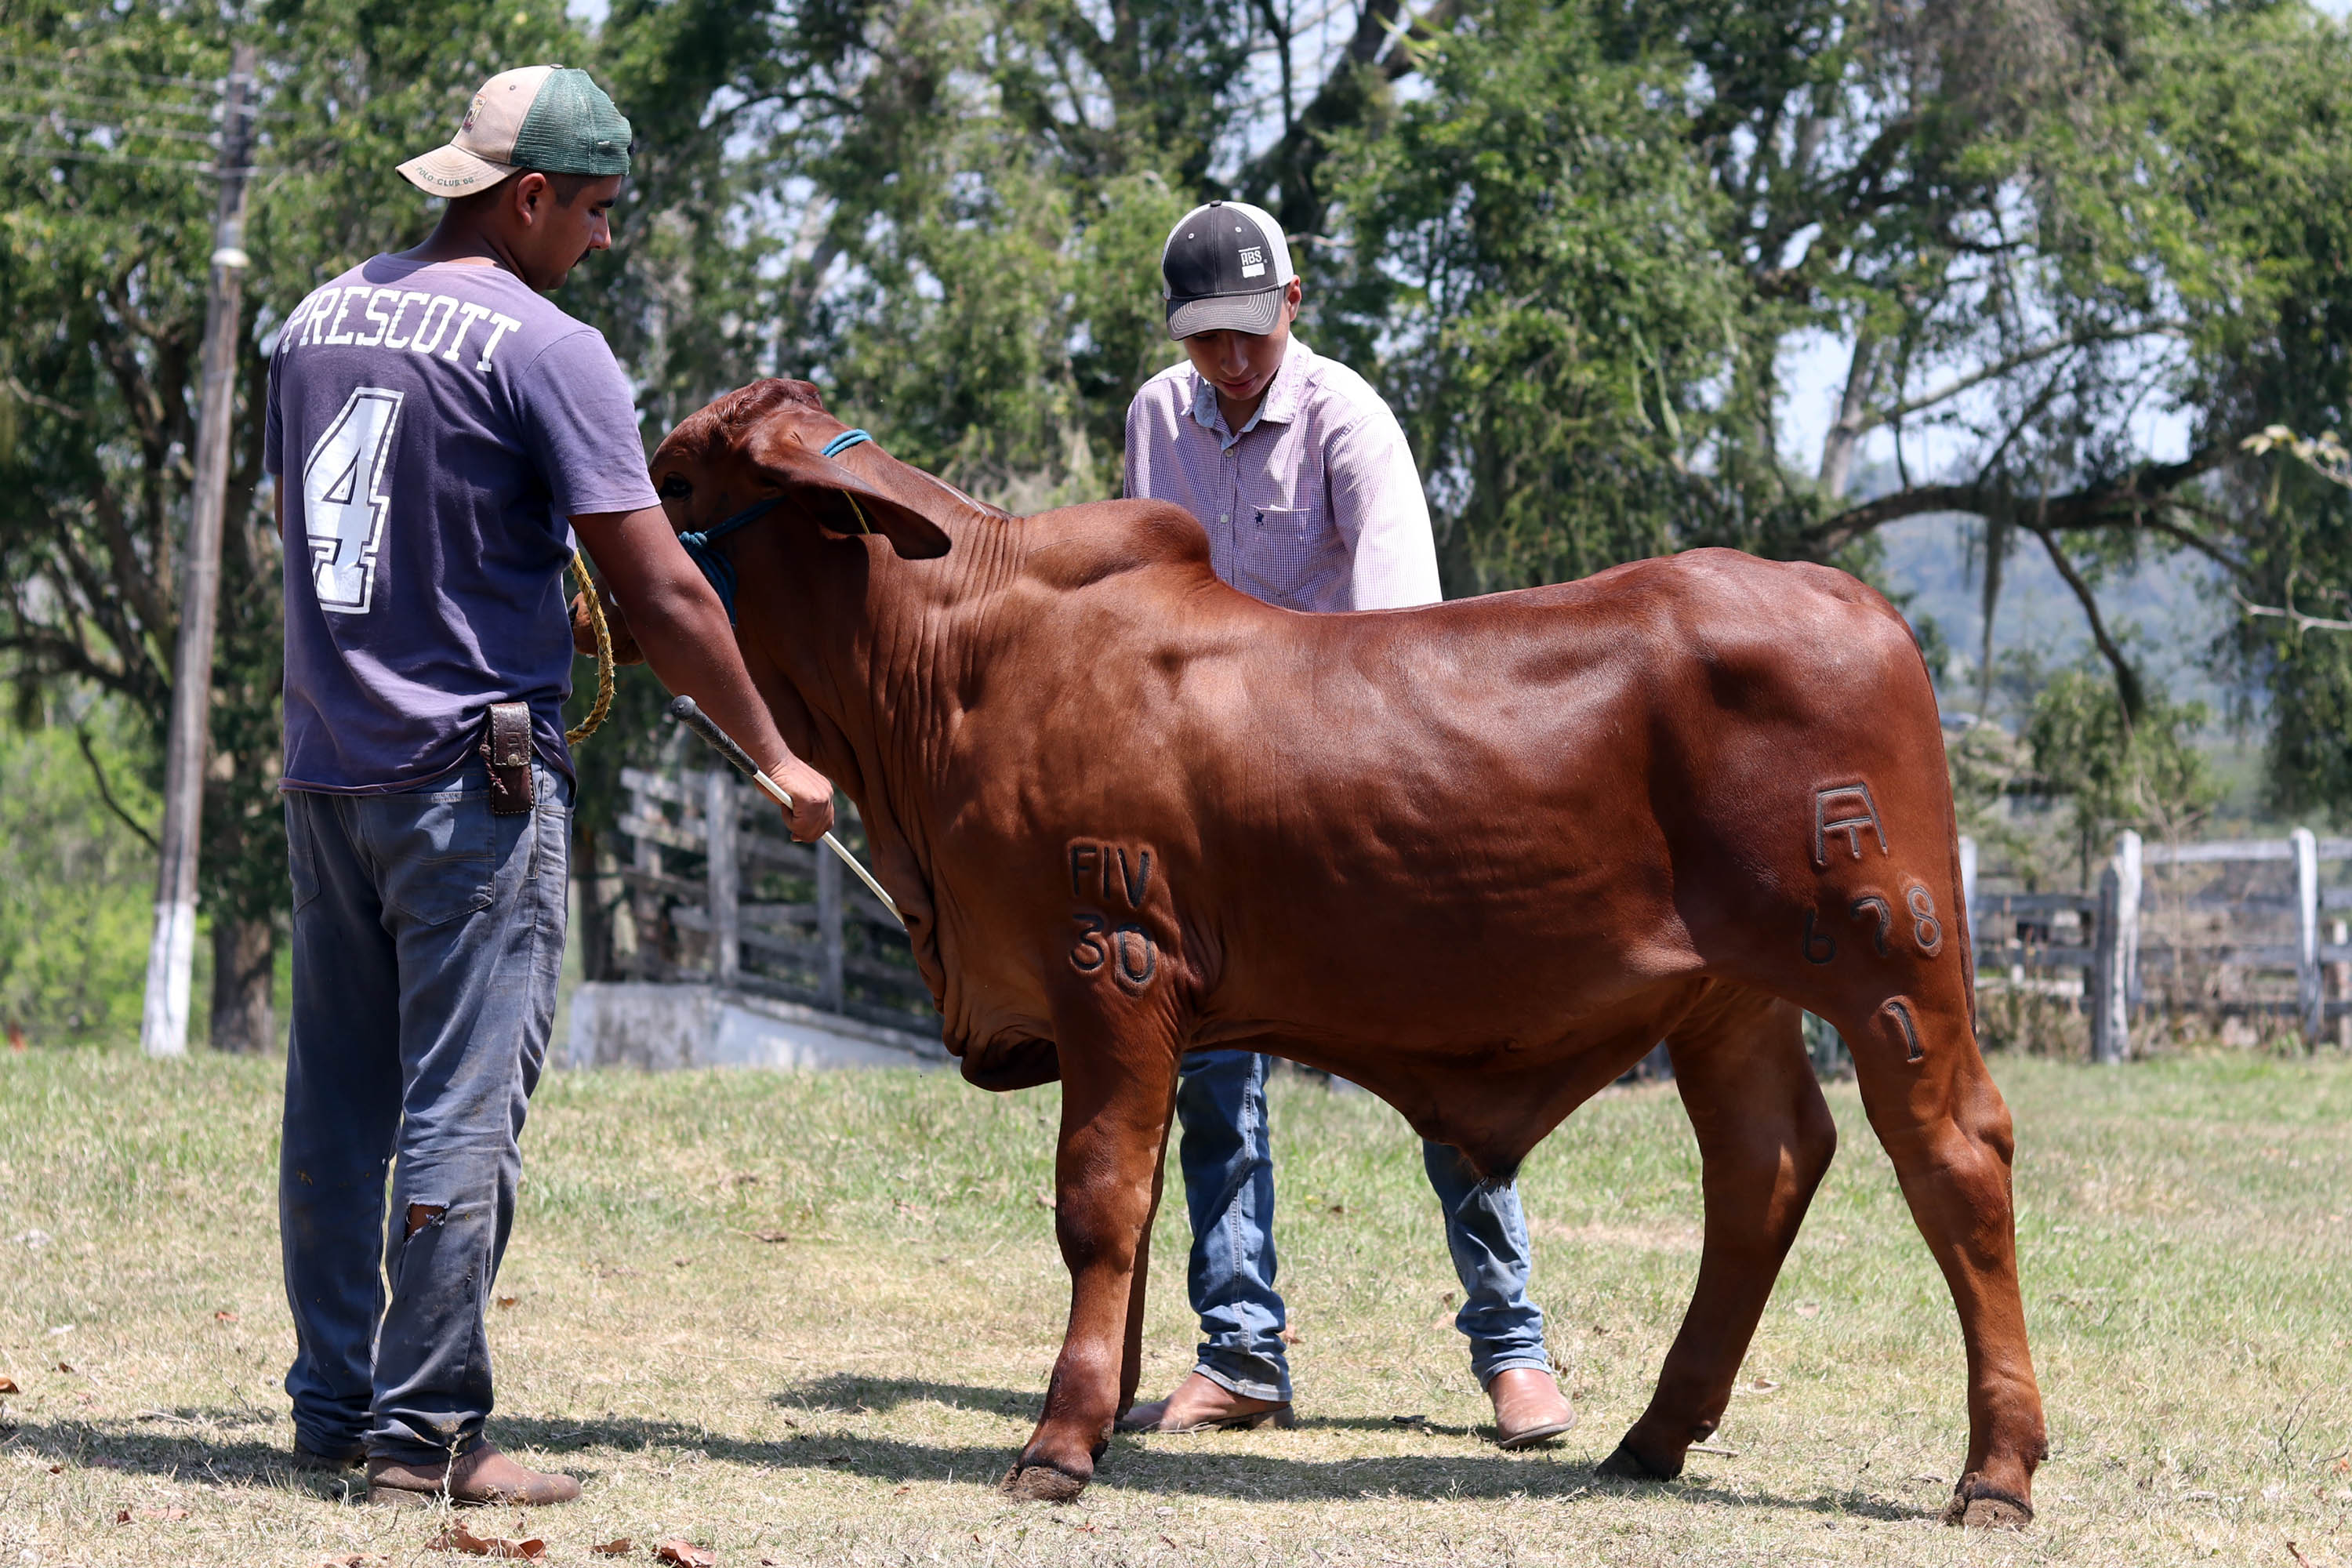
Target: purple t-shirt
442,422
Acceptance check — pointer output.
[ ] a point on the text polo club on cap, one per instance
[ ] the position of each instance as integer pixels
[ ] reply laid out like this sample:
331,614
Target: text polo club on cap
1223,269
545,118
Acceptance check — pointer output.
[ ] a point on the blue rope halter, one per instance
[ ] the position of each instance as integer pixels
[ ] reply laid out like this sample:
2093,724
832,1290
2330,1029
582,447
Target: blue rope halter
717,568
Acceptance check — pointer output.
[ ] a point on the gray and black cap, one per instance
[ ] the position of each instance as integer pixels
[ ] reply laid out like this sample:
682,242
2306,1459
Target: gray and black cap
1224,269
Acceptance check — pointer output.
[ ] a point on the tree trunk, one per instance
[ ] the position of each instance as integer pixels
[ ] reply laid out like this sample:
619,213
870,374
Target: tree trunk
244,974
1846,435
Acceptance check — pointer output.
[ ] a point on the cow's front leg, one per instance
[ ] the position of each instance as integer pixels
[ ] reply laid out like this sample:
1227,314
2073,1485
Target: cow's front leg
1119,1090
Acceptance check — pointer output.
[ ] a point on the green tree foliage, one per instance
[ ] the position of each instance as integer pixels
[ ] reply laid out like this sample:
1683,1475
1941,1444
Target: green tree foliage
77,883
2118,773
2033,223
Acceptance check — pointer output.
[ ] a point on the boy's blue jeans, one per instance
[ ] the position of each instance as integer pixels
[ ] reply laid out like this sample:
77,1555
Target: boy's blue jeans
428,933
1228,1168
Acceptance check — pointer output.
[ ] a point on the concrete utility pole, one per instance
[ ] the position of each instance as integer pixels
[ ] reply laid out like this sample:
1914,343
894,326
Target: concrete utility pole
171,957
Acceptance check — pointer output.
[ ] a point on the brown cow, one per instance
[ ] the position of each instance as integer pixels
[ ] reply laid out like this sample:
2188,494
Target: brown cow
1477,857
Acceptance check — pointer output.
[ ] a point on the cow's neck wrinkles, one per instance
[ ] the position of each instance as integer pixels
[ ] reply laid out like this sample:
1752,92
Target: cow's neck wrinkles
885,652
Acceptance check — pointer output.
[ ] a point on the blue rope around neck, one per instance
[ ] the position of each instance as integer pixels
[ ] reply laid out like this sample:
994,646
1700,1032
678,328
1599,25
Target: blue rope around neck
716,569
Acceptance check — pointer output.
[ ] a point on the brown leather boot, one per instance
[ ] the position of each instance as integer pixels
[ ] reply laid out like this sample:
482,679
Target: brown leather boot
1200,1404
481,1475
1528,1407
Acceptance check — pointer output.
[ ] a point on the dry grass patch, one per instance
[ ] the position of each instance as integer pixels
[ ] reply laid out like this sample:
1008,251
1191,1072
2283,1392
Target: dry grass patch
850,1395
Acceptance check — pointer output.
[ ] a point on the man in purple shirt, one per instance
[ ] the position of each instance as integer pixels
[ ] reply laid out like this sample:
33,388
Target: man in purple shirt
440,432
1302,477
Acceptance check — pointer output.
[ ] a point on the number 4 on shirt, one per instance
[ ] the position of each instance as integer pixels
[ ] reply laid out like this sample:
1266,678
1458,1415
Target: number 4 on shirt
344,498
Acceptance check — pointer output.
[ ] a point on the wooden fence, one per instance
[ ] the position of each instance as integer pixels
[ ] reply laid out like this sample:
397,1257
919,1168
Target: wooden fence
2233,927
719,895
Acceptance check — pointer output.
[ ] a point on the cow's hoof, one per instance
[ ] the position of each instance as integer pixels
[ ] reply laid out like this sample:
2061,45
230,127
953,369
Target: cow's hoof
1978,1506
1039,1483
1625,1465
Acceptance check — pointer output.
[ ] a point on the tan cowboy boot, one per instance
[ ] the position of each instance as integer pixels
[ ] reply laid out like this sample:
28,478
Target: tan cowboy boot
1200,1404
481,1475
1528,1407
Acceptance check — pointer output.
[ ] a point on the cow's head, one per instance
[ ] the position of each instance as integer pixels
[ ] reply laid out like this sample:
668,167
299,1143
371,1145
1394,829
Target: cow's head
762,442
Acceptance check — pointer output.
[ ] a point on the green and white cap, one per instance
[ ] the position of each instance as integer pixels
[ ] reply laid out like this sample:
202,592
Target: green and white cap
547,118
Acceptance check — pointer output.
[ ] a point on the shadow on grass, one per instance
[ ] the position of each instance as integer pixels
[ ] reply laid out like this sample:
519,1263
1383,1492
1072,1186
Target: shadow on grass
1152,1466
175,1446
851,1395
1162,1468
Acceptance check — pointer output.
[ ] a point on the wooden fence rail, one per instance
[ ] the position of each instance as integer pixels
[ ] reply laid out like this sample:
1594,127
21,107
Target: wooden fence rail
2019,931
830,943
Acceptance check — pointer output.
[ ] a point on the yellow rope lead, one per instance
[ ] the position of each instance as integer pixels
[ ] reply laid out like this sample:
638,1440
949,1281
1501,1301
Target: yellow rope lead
604,655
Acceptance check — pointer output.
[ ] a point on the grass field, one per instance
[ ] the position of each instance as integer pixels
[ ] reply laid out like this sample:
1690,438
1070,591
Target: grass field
851,1395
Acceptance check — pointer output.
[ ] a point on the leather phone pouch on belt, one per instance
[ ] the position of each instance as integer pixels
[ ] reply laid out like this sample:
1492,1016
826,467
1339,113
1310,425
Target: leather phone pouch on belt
506,741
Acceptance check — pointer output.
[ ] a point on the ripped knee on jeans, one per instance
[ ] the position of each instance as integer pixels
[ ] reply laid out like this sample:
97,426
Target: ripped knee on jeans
421,1214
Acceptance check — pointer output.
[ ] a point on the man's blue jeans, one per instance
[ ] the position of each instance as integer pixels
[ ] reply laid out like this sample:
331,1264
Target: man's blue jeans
428,936
1228,1167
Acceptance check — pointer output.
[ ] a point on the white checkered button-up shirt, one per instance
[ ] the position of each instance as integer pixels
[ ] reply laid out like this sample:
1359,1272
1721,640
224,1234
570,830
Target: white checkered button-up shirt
1313,505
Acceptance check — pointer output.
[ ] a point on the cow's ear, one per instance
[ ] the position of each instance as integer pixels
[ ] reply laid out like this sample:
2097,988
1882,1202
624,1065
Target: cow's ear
846,503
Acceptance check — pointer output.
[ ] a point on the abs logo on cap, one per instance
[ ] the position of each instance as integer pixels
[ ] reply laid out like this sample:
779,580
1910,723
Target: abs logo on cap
1224,269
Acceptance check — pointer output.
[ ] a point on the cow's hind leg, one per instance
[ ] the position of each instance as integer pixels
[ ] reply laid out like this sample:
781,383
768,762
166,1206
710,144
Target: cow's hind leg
1945,1127
1118,1095
1765,1139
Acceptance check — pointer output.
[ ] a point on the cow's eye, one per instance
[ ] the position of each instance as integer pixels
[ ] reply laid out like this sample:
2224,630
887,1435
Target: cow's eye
676,487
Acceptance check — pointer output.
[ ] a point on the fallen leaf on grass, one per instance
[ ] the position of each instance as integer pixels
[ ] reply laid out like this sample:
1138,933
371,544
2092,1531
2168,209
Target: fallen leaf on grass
356,1559
1047,1201
902,1492
122,1516
1289,1334
63,1367
612,1548
57,1469
1171,1545
1809,1309
224,1316
684,1554
773,1237
8,1386
508,1300
457,1538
